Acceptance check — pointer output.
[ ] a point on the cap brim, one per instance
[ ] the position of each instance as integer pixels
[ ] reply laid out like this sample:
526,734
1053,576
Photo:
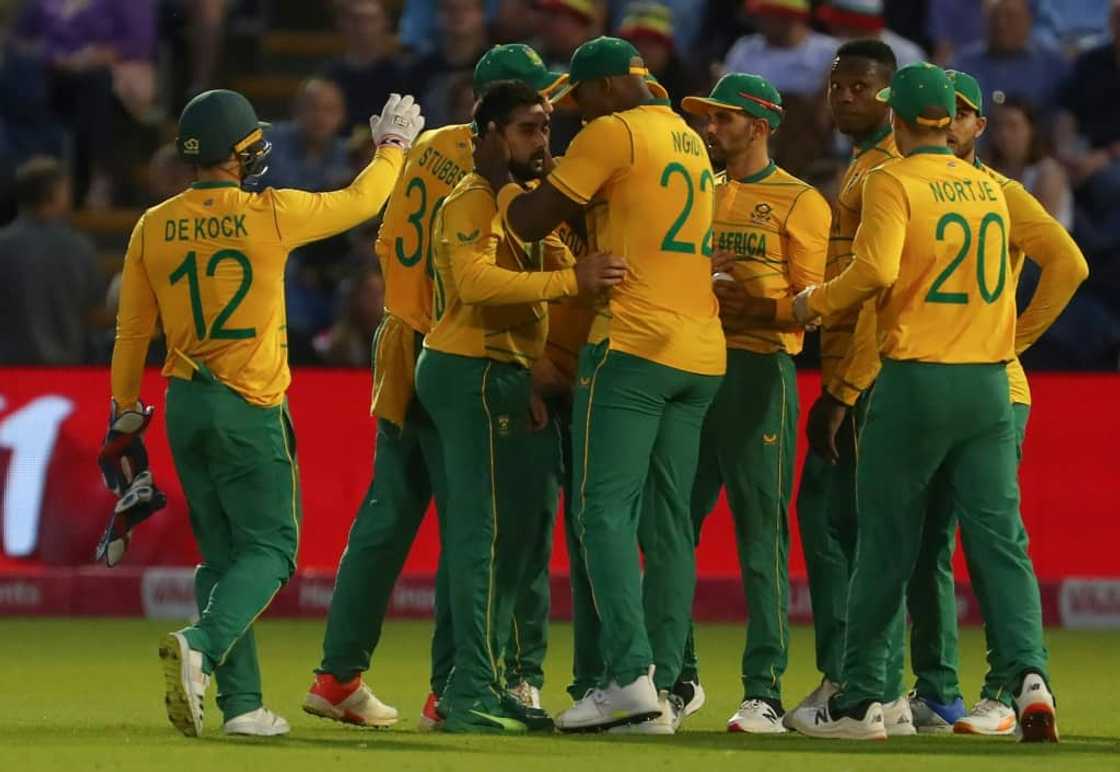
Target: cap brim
703,105
561,97
549,83
884,95
961,96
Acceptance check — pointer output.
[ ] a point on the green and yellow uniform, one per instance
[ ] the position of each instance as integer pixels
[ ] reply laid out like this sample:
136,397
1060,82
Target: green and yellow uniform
655,357
940,407
777,228
473,377
826,499
209,263
408,465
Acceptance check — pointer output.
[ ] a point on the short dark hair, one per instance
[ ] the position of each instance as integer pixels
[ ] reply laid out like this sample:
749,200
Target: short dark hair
869,48
37,179
500,99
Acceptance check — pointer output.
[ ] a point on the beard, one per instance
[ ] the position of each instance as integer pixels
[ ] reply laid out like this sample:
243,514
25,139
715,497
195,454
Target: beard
532,169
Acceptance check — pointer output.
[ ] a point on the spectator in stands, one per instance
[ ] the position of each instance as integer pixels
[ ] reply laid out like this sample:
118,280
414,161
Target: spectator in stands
565,26
688,16
347,343
368,71
1072,25
953,25
307,151
1088,130
1011,60
50,286
462,40
96,52
419,26
1017,150
167,175
515,21
786,52
649,26
850,19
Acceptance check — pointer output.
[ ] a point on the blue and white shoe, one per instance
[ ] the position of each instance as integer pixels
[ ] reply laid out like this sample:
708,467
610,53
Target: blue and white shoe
934,717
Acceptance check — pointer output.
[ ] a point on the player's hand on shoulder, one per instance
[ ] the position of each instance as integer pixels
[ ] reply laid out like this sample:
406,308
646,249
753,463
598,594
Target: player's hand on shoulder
598,272
399,123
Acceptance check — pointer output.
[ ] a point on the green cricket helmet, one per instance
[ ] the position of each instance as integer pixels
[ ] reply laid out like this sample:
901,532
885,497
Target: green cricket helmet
217,123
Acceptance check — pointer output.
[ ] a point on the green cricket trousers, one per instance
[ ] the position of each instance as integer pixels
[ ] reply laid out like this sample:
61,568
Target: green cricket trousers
927,421
237,465
748,446
636,435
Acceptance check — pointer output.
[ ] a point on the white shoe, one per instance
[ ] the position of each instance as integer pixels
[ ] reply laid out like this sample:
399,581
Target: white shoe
184,683
818,722
614,706
691,694
815,699
672,713
349,702
1035,705
898,718
261,722
527,694
756,717
987,717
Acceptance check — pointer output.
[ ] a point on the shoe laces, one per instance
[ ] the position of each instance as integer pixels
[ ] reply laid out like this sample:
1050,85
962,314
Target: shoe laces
985,707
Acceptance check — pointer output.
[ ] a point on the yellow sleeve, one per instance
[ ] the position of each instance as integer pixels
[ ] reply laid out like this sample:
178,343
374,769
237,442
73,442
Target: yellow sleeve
602,151
472,244
136,321
1063,265
877,247
303,217
860,366
808,226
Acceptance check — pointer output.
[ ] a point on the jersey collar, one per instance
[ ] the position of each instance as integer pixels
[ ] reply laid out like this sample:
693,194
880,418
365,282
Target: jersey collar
209,184
759,176
882,133
931,150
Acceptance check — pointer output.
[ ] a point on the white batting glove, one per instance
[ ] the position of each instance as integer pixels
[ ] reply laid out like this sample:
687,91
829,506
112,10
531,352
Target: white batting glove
399,123
801,310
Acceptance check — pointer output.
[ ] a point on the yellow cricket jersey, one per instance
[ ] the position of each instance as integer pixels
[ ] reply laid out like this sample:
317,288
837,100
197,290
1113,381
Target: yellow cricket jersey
1032,233
778,229
434,165
652,172
836,329
491,291
210,264
569,319
933,241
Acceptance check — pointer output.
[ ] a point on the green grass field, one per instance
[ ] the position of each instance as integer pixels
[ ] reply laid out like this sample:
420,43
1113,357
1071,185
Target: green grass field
87,695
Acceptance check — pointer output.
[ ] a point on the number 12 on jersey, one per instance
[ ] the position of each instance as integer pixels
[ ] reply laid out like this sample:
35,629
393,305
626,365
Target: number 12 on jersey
188,269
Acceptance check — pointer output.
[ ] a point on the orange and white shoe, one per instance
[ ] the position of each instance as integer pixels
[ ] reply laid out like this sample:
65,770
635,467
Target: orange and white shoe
350,702
987,717
430,719
1035,705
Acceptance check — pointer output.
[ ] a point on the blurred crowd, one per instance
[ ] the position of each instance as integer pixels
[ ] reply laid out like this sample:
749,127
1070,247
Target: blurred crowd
90,90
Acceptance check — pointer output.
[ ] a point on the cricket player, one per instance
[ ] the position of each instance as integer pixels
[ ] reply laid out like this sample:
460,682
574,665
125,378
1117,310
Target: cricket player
826,502
408,465
771,235
490,323
654,361
932,247
1033,233
209,264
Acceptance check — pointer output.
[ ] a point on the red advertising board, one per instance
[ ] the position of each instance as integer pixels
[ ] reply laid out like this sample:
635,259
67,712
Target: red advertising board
53,504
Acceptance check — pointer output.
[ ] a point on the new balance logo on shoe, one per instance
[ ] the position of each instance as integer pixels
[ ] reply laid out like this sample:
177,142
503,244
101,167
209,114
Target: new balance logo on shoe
770,716
821,717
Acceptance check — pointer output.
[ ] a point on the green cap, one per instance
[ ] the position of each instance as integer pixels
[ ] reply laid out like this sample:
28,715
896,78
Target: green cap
605,57
916,88
968,89
751,94
515,61
215,124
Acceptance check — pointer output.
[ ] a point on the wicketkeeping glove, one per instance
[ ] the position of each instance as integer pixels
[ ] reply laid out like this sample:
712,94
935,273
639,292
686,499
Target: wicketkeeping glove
399,123
123,456
142,500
